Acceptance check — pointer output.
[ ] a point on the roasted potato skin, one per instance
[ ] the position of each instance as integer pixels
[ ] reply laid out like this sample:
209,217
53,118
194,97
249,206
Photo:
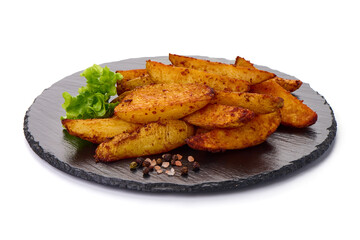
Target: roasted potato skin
219,116
98,130
152,138
256,102
120,97
161,73
242,62
250,134
154,102
127,76
131,74
128,85
288,84
294,113
253,76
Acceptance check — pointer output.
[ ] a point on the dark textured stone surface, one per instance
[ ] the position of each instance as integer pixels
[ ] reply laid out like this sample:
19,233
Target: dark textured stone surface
283,153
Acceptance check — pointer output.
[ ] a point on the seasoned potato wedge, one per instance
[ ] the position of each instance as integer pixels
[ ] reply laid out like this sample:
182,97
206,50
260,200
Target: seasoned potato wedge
253,76
290,85
258,103
219,116
131,84
161,73
127,76
98,130
250,134
120,97
294,112
152,138
131,74
242,62
153,102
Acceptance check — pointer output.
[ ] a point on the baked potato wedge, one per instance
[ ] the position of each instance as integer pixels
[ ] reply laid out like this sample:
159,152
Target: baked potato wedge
120,97
258,103
131,74
242,62
161,73
153,102
253,76
294,113
288,84
131,84
250,134
219,116
98,130
127,76
152,138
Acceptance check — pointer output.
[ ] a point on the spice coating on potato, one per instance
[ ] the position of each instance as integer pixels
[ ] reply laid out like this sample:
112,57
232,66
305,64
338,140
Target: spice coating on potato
98,130
294,113
127,76
242,62
133,73
288,84
219,116
256,102
161,73
253,76
133,83
250,134
120,97
152,138
163,101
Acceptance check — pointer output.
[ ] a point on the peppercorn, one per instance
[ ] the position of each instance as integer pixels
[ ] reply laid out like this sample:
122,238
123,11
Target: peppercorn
146,164
151,168
139,161
153,162
159,161
165,164
166,157
175,157
146,171
184,171
170,172
133,166
196,166
172,162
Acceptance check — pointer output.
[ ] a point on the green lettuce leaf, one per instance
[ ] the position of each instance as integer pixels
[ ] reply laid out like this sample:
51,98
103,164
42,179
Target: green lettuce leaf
93,99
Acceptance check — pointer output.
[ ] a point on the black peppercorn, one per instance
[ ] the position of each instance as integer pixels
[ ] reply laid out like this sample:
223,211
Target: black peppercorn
159,161
175,157
151,168
184,171
146,171
146,164
172,162
196,166
139,161
166,157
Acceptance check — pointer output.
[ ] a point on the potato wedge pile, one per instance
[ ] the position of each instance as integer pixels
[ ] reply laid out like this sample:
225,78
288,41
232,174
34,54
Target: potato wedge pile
209,106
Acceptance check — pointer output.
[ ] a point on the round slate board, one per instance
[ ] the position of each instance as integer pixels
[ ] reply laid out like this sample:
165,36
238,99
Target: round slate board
286,151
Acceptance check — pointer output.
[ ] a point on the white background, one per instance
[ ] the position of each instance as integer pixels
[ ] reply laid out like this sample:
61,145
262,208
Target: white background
44,41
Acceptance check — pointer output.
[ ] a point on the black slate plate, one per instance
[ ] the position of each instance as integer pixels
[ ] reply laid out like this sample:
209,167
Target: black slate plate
284,152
